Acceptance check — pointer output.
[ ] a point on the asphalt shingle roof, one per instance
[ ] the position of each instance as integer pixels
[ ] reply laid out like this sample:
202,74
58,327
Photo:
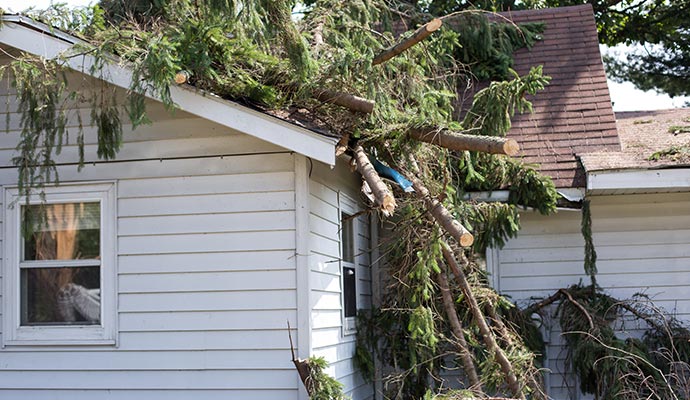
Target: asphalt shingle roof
643,133
574,113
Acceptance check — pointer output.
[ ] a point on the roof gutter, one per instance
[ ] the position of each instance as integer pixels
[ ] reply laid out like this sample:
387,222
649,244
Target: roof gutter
639,181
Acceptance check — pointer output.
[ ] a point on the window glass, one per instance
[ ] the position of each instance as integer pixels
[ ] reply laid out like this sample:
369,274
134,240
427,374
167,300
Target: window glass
69,231
347,234
350,291
61,296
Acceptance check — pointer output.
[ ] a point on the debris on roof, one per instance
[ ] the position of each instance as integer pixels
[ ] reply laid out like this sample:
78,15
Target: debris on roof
649,140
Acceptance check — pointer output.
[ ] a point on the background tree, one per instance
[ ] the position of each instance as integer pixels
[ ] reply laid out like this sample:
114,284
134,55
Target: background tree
660,27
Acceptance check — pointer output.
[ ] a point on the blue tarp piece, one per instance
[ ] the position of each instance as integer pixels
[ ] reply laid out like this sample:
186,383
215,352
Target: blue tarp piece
389,173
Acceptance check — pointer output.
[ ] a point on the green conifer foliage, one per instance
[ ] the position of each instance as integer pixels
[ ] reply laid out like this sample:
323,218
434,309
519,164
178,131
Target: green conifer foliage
255,53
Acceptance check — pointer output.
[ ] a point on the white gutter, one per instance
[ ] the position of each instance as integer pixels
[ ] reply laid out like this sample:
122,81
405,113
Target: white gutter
650,180
39,39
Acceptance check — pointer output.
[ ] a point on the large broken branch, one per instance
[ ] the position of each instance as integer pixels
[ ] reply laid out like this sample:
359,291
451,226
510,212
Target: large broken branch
350,101
461,141
384,198
442,215
456,327
419,35
486,333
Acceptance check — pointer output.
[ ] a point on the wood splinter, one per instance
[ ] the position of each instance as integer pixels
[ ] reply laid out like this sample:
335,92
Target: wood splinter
384,198
419,35
460,141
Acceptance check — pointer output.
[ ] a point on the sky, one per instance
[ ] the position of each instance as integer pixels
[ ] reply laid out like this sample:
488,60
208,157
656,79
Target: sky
625,96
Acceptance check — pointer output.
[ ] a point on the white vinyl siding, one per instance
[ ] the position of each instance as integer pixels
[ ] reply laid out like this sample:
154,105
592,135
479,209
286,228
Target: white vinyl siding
643,246
328,338
206,271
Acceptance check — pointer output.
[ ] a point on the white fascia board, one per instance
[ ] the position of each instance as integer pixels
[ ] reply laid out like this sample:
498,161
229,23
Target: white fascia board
570,194
42,41
649,180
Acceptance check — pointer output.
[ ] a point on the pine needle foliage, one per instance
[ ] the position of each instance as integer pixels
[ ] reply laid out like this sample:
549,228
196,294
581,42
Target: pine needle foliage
256,53
612,364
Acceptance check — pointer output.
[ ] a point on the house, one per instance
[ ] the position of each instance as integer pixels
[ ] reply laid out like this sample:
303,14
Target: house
181,263
640,202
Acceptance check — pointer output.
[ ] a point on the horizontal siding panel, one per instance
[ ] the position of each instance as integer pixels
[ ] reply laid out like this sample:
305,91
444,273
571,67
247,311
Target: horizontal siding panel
326,301
323,193
229,145
246,379
325,228
259,340
159,394
208,301
325,282
207,320
158,360
207,204
166,168
232,241
212,184
556,268
207,281
207,262
207,223
324,246
323,210
640,237
326,319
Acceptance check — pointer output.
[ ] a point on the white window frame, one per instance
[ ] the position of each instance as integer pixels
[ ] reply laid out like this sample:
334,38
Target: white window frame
102,334
348,206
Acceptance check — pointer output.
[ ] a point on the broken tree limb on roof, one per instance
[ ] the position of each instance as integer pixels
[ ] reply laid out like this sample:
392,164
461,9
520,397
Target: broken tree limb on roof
422,33
350,101
442,215
461,141
341,147
384,198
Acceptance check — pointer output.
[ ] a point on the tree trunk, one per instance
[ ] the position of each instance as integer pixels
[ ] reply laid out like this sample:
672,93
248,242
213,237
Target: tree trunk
419,35
456,327
442,215
487,336
384,198
461,141
350,101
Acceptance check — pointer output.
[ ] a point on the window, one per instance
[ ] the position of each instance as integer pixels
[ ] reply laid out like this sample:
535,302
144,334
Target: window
60,266
348,234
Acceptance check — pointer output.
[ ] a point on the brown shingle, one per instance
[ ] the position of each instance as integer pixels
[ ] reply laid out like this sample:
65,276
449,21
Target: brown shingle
643,133
573,114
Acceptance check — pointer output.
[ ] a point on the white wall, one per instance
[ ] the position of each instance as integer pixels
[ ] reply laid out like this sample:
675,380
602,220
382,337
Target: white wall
642,243
206,271
328,338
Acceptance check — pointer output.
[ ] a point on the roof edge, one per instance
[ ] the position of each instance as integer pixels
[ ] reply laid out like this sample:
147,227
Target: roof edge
42,40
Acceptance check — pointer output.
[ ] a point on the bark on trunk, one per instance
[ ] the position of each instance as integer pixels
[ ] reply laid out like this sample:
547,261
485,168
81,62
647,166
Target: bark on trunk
350,101
419,35
487,336
442,215
384,198
456,328
461,141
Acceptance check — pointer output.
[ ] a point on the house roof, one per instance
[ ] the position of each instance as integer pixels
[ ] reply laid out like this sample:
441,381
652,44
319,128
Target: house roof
642,134
36,38
574,113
